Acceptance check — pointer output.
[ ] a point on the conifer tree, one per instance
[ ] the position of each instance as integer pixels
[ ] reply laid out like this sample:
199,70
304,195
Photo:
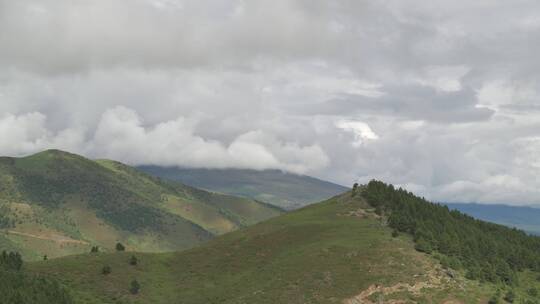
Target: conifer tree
134,287
120,247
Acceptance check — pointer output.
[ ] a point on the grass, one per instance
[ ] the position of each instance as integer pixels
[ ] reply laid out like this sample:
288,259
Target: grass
325,253
59,194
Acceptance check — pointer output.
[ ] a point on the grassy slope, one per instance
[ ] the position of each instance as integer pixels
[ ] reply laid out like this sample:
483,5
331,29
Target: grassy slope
60,203
324,253
286,190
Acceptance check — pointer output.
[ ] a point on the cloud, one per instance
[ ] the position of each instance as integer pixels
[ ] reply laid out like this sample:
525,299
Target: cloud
441,98
413,103
120,134
23,134
361,131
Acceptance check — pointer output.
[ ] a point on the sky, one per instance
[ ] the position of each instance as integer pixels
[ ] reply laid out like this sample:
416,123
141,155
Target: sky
439,97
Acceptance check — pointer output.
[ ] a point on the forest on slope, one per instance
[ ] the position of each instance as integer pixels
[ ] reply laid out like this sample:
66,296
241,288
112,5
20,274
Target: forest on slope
487,251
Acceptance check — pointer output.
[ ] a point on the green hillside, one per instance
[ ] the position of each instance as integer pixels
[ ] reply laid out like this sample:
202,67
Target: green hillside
285,190
18,286
343,250
55,203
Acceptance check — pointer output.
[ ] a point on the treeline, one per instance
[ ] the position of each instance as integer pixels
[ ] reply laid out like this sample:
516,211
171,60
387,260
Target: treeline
487,251
18,287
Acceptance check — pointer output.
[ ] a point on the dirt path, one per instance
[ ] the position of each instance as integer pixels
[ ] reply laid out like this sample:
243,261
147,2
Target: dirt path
54,237
363,297
433,280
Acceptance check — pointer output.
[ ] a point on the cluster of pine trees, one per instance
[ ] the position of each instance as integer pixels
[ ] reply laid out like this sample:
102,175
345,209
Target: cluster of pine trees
487,251
18,287
10,260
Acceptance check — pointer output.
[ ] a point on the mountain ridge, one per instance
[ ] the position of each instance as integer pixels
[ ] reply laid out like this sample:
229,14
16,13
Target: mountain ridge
285,190
353,248
56,203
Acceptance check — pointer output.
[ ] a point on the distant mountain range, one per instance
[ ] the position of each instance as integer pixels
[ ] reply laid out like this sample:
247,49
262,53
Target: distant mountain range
291,191
524,218
56,203
285,190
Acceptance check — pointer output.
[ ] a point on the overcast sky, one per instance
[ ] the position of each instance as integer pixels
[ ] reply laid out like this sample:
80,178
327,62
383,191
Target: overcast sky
441,97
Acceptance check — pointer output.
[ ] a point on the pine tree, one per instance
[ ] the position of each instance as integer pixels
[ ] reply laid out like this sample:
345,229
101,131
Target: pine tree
120,247
106,270
134,287
510,296
354,189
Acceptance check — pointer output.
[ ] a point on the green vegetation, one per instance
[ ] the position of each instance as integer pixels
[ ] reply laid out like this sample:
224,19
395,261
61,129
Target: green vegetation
106,270
120,247
5,221
325,253
488,252
10,261
18,287
285,190
510,296
379,245
134,287
56,203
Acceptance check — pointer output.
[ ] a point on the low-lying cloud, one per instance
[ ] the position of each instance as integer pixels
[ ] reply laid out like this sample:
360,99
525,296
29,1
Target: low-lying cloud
120,134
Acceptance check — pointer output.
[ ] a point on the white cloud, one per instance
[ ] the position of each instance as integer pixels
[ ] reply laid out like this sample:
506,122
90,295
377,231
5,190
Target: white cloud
440,97
27,133
120,134
361,131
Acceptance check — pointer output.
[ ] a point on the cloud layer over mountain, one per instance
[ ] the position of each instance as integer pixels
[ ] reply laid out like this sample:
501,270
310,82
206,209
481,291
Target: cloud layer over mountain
439,97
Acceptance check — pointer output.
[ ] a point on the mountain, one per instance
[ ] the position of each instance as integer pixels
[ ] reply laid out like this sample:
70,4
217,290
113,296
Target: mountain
524,218
285,190
375,244
55,203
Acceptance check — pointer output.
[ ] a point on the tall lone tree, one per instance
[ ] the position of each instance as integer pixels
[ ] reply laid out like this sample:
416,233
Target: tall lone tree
354,189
